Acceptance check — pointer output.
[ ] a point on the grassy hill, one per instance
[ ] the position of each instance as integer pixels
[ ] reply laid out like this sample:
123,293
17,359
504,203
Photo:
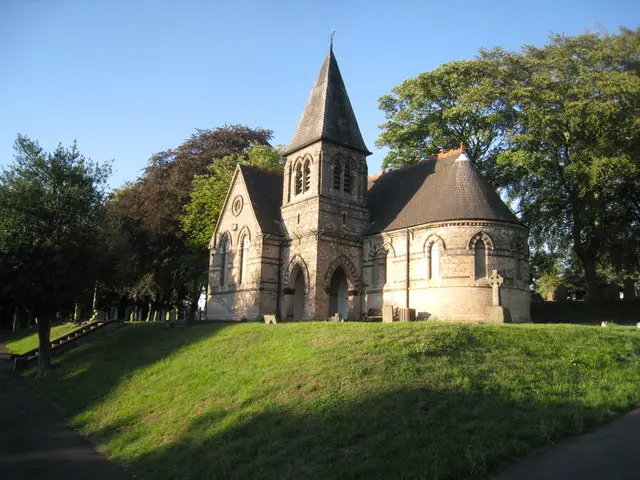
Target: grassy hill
341,400
27,339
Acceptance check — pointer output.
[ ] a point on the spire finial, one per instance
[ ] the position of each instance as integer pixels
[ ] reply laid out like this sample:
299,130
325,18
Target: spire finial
331,34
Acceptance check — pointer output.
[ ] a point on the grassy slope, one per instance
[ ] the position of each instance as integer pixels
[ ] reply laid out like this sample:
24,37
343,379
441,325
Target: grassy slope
24,340
326,400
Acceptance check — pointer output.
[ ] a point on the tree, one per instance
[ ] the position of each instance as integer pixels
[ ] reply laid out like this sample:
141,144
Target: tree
210,190
51,208
573,165
458,102
555,127
164,268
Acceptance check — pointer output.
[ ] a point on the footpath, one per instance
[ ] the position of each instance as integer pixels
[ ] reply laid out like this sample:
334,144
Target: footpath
611,451
35,443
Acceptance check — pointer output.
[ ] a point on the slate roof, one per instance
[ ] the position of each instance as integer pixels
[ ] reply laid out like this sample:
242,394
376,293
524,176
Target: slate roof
445,187
328,114
265,194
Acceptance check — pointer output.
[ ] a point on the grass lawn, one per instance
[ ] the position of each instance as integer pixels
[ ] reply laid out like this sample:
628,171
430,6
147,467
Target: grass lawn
341,400
27,339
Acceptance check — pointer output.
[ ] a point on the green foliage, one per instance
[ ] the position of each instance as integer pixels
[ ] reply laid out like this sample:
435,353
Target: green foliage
547,283
156,262
346,400
573,163
458,102
210,190
51,209
556,127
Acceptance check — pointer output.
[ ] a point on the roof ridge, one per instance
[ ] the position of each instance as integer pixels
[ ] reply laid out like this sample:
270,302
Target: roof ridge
260,169
435,156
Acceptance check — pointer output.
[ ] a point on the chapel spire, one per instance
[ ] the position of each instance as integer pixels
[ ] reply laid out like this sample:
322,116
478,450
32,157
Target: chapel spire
328,115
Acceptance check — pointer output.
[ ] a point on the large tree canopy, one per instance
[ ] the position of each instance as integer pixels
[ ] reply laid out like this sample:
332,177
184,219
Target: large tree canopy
210,190
51,211
163,267
573,163
558,127
458,102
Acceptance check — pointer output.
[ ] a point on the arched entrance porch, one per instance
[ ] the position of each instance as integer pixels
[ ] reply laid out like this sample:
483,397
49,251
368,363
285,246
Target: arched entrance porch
339,294
295,295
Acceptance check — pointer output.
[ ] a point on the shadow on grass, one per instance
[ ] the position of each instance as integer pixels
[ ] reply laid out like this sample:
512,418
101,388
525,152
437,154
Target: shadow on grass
464,430
417,433
118,355
577,312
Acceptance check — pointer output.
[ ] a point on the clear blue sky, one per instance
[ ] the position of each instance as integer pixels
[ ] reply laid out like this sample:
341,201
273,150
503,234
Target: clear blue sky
128,78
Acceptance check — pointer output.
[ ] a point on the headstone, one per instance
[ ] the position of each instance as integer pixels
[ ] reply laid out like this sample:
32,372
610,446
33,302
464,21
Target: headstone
560,293
270,319
604,324
638,325
495,280
406,314
16,322
498,314
387,314
629,289
614,291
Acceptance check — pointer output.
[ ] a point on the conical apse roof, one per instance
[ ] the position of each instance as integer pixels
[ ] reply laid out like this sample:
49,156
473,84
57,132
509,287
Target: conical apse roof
328,114
446,187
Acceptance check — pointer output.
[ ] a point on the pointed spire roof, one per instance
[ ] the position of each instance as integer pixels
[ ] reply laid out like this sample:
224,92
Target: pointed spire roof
328,114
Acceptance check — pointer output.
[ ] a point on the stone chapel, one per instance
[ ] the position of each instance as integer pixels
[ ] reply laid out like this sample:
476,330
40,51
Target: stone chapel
323,238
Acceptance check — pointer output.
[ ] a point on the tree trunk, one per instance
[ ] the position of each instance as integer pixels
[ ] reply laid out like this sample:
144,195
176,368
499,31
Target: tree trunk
44,353
16,323
589,267
94,303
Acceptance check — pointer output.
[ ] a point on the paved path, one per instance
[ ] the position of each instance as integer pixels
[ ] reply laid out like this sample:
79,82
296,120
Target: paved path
34,442
611,451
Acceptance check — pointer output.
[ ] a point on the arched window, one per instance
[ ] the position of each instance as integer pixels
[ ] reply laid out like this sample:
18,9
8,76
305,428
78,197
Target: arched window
434,261
224,259
243,247
307,176
298,179
480,259
379,269
337,175
347,178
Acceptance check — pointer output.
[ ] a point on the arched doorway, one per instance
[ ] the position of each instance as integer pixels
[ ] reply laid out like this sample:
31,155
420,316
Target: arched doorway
339,294
296,294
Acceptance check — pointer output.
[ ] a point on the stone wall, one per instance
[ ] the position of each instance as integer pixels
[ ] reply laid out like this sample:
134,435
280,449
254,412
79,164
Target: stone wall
324,225
257,293
454,294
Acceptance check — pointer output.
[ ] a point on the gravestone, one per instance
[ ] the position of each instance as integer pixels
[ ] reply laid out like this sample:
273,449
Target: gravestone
614,291
560,293
496,313
629,289
387,314
496,281
406,314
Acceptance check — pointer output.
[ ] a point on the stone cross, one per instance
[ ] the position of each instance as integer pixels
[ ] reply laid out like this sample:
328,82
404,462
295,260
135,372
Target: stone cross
495,280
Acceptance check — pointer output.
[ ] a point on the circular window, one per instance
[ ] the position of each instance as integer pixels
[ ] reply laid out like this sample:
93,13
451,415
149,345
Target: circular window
236,206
